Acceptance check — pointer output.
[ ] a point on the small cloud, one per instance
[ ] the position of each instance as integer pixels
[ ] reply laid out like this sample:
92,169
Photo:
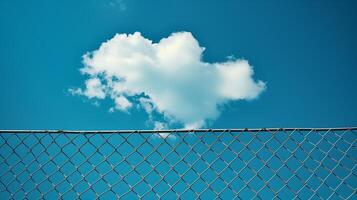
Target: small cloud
167,78
122,103
94,89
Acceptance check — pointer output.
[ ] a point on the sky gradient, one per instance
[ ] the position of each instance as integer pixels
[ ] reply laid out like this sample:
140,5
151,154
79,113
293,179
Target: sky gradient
305,52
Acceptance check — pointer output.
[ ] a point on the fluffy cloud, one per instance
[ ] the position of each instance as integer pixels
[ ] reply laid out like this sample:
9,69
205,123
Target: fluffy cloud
94,89
168,78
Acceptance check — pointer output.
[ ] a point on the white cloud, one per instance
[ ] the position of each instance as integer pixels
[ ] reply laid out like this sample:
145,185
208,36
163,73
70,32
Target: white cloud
168,77
122,103
94,89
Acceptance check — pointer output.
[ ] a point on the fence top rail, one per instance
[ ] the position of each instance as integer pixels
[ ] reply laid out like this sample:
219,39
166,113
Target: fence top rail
180,130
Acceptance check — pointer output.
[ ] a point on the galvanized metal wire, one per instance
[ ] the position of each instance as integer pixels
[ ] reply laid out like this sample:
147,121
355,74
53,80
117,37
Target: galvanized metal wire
274,163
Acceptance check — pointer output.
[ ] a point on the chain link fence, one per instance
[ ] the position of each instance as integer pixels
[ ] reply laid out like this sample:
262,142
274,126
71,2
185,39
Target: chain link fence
297,163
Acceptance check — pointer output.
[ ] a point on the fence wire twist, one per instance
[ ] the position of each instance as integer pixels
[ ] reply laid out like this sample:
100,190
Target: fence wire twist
224,164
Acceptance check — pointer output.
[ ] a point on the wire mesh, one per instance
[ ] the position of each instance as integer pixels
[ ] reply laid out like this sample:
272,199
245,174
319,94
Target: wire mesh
214,164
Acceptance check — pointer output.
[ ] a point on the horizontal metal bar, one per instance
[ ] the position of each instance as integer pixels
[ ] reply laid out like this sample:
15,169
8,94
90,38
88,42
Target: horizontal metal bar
178,130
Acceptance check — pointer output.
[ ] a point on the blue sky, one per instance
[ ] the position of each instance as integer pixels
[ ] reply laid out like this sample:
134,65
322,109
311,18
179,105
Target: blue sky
305,52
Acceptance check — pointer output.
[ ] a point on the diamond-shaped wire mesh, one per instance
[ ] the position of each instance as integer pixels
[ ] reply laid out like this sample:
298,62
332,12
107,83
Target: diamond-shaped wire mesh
223,164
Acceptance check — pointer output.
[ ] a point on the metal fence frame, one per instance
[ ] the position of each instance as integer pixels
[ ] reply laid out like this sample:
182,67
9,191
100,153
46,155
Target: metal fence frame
347,182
